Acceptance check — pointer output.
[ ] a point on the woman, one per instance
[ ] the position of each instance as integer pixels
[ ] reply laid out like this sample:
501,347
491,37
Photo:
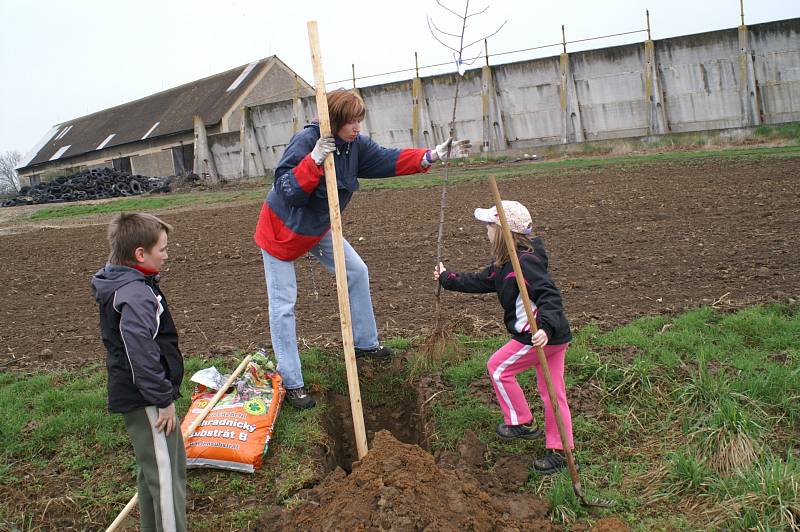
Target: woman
295,219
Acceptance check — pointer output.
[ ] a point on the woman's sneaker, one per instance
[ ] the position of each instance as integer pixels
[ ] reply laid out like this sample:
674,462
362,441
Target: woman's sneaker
299,399
525,432
378,353
552,462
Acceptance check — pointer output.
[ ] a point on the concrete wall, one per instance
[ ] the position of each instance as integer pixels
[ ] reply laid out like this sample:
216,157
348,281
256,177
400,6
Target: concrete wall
528,96
717,80
700,80
227,153
610,90
154,164
777,68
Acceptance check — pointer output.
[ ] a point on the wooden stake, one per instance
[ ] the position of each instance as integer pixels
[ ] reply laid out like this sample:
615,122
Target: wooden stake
338,248
199,419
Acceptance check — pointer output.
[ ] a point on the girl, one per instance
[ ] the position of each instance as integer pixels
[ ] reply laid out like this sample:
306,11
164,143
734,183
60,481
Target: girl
519,353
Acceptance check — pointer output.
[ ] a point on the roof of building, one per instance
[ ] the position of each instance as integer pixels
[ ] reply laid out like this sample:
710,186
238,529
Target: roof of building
164,113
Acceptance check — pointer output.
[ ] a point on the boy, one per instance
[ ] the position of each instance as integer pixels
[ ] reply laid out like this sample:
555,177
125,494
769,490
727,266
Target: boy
145,366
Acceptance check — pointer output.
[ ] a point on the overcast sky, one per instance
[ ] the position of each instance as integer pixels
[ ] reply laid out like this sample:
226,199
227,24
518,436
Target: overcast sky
61,60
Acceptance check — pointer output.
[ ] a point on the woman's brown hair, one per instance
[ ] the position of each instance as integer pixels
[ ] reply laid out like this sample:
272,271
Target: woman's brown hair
345,106
500,250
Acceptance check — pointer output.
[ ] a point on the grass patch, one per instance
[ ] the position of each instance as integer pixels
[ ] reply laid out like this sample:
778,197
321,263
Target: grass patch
784,131
691,423
694,411
57,441
145,203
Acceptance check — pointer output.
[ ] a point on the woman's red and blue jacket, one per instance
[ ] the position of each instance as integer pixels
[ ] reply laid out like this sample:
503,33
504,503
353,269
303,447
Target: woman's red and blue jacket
295,215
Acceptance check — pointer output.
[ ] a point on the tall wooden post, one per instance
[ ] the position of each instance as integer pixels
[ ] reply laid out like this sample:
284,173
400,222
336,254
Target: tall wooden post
338,248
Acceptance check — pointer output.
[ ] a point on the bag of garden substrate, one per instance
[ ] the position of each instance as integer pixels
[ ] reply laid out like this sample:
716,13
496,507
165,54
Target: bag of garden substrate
236,433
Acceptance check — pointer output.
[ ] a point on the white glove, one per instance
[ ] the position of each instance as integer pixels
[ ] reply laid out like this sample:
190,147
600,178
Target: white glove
459,149
324,146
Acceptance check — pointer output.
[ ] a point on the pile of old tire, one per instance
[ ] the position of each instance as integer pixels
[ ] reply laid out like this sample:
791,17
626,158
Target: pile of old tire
97,183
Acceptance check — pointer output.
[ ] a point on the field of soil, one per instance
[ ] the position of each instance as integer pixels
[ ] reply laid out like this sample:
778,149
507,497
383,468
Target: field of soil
624,241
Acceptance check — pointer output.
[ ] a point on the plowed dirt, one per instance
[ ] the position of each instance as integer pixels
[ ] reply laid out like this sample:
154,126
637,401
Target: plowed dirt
624,241
399,487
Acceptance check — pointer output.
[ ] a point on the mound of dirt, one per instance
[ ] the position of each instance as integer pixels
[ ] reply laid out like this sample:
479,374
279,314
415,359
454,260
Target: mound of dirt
399,487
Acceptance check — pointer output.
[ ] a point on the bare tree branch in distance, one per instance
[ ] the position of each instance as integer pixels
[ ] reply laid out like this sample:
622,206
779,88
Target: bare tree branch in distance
9,181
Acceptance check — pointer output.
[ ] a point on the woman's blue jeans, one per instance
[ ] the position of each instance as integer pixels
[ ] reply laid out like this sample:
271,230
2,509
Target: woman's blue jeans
282,295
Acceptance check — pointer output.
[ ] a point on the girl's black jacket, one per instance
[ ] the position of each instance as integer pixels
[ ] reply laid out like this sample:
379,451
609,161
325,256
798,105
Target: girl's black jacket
545,297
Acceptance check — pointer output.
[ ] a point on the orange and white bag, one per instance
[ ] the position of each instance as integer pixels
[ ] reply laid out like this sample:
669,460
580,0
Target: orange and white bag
236,433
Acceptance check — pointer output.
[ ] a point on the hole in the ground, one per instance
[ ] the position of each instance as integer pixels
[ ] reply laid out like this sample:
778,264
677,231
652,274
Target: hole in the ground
398,416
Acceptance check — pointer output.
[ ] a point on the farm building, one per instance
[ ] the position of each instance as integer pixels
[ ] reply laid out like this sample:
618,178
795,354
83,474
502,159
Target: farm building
157,135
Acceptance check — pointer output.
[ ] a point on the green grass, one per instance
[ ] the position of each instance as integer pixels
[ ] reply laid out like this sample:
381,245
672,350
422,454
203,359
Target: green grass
699,409
146,203
785,131
59,421
696,411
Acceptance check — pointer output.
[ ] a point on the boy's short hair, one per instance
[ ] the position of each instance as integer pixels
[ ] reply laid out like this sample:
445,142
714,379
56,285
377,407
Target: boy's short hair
344,106
131,230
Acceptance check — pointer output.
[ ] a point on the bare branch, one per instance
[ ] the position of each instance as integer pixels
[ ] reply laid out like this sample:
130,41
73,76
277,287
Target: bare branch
448,9
470,62
478,12
438,39
444,32
490,35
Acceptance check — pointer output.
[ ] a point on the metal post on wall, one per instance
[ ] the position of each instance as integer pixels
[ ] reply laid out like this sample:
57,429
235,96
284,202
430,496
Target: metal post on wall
353,66
647,13
563,39
741,11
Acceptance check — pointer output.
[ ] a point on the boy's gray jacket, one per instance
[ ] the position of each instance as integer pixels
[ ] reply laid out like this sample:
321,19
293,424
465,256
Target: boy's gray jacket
145,366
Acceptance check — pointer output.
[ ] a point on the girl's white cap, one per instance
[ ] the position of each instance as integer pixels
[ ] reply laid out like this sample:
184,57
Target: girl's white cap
517,216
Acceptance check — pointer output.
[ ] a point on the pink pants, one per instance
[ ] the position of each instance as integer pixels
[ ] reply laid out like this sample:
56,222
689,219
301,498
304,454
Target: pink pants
515,357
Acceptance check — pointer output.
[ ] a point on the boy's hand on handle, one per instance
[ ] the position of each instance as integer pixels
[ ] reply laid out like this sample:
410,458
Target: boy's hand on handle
324,146
459,149
539,338
167,420
438,271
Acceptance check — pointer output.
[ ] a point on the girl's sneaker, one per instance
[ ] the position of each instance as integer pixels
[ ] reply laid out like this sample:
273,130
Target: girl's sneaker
525,432
552,462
